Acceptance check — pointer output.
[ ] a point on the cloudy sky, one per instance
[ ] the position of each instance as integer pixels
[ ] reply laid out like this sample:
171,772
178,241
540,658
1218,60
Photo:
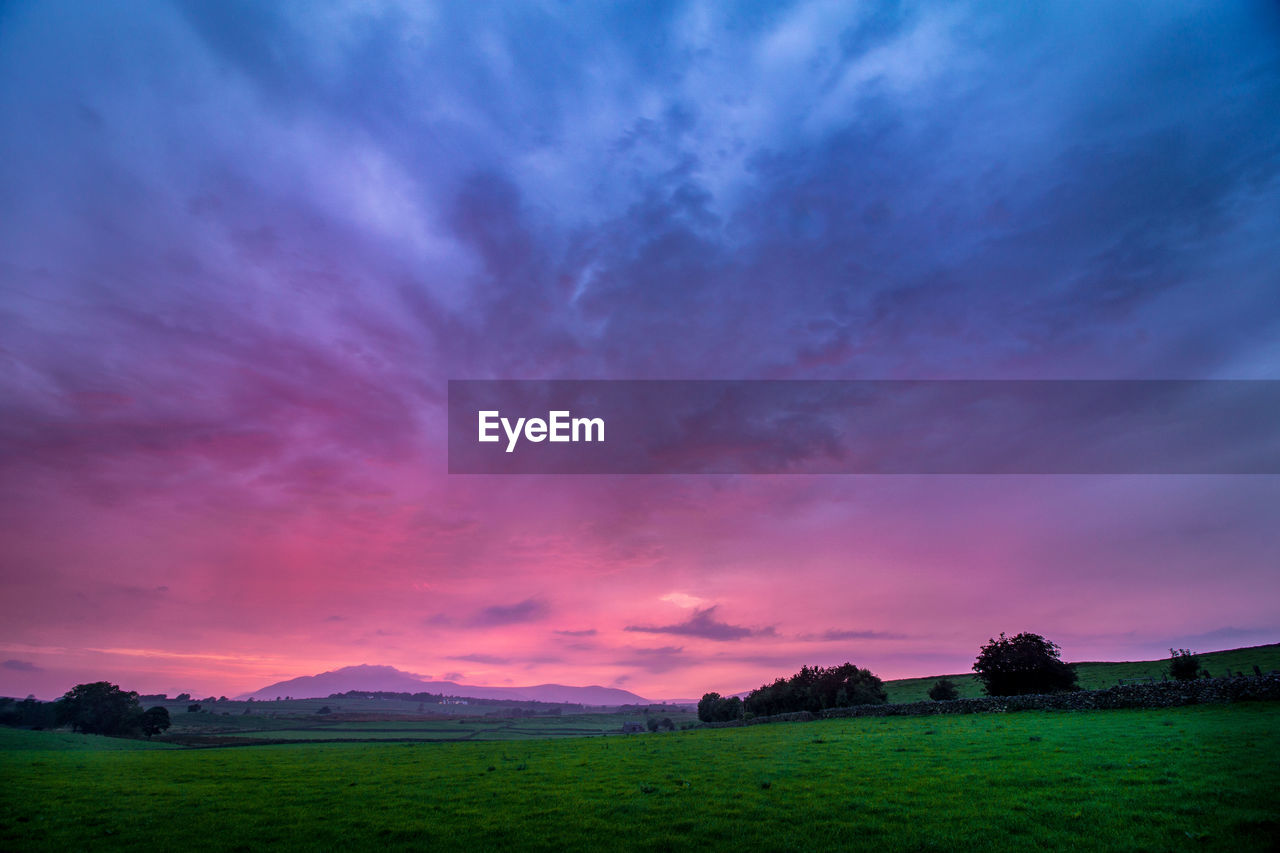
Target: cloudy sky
243,247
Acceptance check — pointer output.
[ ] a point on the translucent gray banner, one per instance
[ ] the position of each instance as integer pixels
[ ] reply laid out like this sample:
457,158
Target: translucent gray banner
864,427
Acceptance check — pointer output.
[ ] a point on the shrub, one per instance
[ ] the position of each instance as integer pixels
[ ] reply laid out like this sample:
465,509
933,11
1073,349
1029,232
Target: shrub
1183,665
944,690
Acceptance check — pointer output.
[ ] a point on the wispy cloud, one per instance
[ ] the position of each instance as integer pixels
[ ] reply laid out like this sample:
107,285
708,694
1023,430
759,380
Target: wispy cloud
836,634
495,660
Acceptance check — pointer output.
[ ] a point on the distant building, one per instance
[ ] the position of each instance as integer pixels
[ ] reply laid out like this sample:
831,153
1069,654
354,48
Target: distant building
632,728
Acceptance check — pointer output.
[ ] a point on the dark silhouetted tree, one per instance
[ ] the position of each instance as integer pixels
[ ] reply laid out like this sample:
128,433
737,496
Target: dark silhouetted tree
155,720
30,713
714,708
1025,663
99,708
814,688
1183,665
944,690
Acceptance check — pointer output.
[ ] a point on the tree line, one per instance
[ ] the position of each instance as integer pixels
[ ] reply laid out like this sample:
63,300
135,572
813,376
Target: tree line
1006,666
100,708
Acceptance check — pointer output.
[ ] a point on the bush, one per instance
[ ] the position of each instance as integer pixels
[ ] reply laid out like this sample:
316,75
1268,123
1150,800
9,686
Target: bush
944,691
1025,663
814,688
1183,665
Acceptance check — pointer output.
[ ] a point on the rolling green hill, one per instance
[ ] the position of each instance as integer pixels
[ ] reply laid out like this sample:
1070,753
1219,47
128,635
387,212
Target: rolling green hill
1095,675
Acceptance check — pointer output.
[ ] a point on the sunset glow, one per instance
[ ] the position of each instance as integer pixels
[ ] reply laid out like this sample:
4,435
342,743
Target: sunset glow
244,248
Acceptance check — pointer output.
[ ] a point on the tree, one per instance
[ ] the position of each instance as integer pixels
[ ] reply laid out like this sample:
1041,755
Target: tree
814,688
1025,663
944,691
714,708
155,720
99,708
30,712
1183,665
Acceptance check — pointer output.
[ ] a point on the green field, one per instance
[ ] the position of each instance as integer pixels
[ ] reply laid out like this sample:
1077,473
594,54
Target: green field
292,723
1193,778
1095,675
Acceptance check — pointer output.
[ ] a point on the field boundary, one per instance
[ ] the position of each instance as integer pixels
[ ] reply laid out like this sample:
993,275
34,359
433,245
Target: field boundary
1161,694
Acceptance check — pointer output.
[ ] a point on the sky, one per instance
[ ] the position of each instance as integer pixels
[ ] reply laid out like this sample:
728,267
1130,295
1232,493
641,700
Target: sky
244,246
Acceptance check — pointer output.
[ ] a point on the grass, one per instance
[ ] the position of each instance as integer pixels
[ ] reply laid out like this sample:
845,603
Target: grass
60,741
210,729
1193,778
1095,675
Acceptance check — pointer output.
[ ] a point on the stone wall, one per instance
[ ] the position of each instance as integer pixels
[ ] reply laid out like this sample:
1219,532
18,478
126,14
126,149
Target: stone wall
1160,694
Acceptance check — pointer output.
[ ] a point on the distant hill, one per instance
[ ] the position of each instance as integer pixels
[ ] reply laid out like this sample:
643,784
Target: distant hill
1095,675
392,680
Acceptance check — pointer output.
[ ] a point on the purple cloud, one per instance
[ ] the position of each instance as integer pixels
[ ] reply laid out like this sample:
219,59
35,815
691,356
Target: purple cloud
482,658
21,666
838,634
703,624
529,610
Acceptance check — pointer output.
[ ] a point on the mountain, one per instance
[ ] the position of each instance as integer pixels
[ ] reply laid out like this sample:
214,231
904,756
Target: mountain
391,680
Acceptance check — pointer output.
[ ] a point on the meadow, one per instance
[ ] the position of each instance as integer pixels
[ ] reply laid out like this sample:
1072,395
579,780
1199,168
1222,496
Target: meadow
291,722
1190,778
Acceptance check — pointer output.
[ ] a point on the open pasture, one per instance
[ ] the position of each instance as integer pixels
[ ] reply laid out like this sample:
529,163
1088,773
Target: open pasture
1192,778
